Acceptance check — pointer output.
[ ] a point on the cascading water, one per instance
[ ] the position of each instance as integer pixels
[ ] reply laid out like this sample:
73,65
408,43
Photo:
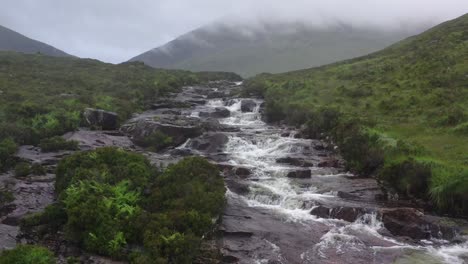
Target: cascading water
286,230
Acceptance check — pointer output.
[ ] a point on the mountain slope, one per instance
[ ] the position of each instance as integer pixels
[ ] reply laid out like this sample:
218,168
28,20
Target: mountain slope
249,50
14,41
400,113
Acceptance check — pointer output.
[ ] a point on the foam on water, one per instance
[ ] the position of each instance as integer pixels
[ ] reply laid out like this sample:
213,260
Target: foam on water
273,191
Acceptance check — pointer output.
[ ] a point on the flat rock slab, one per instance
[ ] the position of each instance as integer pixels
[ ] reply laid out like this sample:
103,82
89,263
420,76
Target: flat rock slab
95,139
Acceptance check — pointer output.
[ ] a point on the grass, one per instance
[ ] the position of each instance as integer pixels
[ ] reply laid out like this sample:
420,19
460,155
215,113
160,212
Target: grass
42,97
413,92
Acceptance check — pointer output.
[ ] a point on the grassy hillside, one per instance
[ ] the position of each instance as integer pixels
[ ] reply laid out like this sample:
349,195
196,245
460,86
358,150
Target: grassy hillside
14,41
400,114
42,96
271,48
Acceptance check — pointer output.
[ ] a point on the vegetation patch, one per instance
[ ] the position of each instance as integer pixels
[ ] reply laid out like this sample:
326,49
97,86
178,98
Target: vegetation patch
43,97
27,254
112,202
400,114
57,143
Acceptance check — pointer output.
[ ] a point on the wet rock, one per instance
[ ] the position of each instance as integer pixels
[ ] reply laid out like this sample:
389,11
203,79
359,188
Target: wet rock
209,142
405,222
300,174
295,162
242,172
179,128
320,147
97,118
321,211
229,102
219,112
238,187
248,105
330,162
345,195
349,214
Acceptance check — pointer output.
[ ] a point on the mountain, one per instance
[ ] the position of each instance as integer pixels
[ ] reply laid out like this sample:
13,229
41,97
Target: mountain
268,47
14,41
400,114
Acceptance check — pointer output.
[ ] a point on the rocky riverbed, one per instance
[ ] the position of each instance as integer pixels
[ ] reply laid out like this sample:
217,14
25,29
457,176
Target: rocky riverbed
289,199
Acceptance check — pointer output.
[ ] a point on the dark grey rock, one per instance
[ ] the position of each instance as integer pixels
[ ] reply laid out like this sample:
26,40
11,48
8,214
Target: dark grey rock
97,118
248,105
300,174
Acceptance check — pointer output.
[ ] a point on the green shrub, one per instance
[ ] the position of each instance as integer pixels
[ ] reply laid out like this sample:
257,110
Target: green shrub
27,254
22,169
57,143
98,214
38,169
6,197
156,141
107,165
7,149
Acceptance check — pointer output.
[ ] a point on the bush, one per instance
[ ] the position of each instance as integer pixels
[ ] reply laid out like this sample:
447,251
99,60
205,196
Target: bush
6,197
8,148
22,169
105,165
57,143
156,141
27,254
407,176
112,198
38,169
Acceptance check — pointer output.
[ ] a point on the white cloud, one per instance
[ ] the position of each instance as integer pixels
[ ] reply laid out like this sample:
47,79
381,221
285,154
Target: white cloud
115,30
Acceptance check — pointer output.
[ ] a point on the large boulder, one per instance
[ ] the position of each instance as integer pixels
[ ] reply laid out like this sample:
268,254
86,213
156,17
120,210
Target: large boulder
349,214
299,174
248,105
209,142
406,222
179,128
101,119
219,112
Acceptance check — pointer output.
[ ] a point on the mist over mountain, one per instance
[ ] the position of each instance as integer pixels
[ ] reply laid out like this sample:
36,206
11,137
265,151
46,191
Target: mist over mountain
13,41
253,48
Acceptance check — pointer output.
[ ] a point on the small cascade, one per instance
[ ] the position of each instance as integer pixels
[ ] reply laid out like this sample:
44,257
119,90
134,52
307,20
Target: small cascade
275,208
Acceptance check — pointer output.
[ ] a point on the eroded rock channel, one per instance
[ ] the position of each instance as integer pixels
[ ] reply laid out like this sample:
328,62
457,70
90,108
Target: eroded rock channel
289,199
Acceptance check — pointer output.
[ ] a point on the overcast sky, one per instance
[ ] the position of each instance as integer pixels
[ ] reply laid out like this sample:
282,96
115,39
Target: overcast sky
116,30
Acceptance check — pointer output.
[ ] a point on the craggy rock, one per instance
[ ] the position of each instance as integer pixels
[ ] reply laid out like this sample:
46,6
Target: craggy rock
242,172
345,195
179,128
238,187
300,174
349,214
97,118
209,143
330,163
248,105
405,222
219,112
295,162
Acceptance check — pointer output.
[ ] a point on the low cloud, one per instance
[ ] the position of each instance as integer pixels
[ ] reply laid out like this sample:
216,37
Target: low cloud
115,30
